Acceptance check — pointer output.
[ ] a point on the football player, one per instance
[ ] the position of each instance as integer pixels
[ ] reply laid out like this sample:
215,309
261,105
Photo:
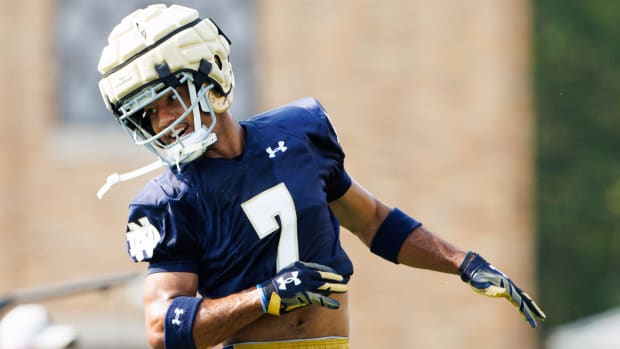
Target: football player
241,232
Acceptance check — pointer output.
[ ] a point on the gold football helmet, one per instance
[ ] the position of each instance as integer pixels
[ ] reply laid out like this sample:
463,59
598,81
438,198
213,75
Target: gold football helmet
150,53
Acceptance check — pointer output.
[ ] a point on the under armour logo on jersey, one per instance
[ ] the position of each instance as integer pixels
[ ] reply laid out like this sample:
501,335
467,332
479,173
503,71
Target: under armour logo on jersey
177,316
142,239
282,282
272,152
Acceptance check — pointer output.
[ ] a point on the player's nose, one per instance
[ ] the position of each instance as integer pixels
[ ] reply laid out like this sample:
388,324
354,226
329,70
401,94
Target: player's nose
166,115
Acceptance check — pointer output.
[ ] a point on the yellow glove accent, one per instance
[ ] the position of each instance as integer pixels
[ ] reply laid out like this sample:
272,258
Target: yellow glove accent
274,304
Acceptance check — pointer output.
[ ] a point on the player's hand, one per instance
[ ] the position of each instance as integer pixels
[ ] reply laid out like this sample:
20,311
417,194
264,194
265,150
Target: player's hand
301,284
489,281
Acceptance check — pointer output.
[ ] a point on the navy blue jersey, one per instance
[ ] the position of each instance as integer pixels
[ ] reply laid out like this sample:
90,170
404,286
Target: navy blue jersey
236,222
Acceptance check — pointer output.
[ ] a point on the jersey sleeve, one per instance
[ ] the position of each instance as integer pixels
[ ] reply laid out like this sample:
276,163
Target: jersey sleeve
160,232
329,153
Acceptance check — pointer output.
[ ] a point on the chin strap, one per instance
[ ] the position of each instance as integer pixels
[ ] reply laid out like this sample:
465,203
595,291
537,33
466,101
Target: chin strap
115,178
183,155
190,152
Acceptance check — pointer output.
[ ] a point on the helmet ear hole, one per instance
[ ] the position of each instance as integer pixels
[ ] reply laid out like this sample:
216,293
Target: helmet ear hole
218,61
219,103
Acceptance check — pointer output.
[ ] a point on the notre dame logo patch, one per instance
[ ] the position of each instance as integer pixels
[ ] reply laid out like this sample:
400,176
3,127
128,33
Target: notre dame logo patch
142,237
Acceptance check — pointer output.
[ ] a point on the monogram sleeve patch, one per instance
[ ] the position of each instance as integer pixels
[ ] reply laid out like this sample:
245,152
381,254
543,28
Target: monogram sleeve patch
142,238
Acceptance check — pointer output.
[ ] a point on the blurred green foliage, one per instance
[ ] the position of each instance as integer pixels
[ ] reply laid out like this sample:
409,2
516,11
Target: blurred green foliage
577,92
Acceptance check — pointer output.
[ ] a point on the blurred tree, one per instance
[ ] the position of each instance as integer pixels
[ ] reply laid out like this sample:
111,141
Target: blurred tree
577,92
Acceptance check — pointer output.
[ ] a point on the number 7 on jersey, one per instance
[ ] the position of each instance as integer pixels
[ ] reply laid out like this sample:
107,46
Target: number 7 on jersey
262,210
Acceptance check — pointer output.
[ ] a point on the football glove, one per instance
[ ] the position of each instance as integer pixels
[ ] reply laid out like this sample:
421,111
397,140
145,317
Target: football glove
301,284
489,281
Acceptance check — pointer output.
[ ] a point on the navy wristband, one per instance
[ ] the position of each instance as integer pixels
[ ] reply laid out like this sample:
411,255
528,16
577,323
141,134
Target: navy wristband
180,323
392,234
264,302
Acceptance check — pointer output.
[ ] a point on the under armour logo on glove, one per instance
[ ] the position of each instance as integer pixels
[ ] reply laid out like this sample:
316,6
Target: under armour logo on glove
272,152
292,279
301,284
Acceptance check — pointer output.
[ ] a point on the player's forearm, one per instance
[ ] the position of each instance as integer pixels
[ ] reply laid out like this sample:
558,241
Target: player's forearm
219,319
423,249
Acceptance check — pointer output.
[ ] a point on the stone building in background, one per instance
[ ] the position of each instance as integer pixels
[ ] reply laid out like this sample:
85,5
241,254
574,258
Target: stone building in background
432,103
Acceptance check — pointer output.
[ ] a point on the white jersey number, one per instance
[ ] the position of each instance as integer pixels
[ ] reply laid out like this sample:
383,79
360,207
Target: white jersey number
262,210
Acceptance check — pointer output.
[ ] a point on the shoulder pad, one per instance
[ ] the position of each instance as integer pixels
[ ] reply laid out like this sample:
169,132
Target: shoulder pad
168,186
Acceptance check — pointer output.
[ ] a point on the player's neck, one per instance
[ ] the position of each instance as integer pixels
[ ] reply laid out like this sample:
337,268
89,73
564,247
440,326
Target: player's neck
230,138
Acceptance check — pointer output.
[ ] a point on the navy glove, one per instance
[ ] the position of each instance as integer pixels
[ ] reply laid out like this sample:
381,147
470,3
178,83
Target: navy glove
487,280
301,284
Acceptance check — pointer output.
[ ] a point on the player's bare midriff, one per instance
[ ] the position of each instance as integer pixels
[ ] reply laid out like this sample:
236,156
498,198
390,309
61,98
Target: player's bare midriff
309,322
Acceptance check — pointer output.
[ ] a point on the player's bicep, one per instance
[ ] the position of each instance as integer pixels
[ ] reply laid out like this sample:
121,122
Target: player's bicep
159,290
360,212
